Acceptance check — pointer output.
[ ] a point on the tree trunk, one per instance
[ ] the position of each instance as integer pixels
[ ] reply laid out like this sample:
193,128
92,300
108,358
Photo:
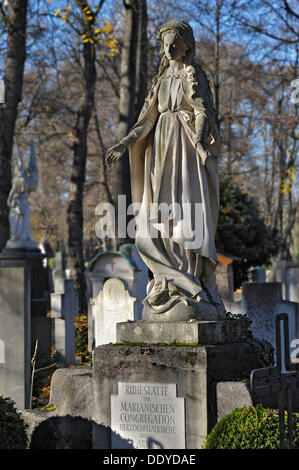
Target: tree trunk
132,91
141,58
13,81
75,207
217,59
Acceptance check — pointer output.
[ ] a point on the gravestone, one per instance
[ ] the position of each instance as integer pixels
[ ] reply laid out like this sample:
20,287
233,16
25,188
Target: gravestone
113,304
188,372
125,265
261,302
258,274
225,277
15,335
149,415
177,306
64,308
40,324
292,283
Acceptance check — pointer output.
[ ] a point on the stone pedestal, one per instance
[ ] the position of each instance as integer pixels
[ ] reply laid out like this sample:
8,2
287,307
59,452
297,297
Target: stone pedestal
15,335
31,259
139,389
40,324
182,332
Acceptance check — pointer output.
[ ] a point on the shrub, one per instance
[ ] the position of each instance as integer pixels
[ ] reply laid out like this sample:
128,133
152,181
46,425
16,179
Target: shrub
12,426
81,337
250,428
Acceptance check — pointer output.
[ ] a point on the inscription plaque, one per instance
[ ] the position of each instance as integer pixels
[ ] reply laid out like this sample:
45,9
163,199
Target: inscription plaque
147,416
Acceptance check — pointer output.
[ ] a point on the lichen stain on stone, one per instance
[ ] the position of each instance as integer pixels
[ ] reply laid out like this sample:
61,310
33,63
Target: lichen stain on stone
128,352
118,366
191,357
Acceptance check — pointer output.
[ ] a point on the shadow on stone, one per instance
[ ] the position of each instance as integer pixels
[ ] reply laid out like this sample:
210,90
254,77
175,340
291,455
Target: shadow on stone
154,444
67,432
63,432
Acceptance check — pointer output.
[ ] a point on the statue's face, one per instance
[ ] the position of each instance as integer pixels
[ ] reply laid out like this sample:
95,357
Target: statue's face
174,47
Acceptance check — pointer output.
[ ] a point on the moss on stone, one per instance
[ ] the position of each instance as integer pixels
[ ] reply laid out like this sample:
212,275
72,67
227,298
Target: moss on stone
144,345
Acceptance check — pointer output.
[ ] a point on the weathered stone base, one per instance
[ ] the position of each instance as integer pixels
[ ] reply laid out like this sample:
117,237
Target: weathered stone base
192,332
194,370
68,424
183,311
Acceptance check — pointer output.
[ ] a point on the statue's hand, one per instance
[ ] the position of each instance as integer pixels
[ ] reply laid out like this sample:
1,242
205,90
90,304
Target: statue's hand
202,152
115,153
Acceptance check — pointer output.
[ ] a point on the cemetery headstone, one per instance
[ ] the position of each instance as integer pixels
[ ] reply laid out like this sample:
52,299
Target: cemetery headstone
225,277
261,303
22,251
182,299
15,335
64,308
292,283
258,274
113,305
125,265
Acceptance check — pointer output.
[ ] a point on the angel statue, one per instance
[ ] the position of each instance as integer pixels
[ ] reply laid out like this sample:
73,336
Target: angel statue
174,148
24,181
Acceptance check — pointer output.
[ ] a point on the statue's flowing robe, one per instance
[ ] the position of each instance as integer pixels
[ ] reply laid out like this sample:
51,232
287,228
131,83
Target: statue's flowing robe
167,168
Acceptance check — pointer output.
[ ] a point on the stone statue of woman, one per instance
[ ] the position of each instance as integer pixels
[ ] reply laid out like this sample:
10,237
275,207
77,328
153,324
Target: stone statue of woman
24,181
174,148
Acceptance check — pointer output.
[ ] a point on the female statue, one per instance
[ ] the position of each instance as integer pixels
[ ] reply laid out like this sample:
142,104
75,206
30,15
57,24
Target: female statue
174,148
24,181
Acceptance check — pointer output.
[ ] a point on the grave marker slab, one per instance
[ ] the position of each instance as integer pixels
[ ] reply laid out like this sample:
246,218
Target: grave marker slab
292,283
15,344
64,308
113,304
147,416
126,265
261,302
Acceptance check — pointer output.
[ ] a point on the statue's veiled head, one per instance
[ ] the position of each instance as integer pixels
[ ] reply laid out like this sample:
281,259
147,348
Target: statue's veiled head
183,33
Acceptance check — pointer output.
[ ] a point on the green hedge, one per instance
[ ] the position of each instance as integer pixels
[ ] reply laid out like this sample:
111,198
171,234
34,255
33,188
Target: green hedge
12,426
250,428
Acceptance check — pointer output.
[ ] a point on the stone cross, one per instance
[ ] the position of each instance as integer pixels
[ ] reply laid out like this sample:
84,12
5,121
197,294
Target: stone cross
112,263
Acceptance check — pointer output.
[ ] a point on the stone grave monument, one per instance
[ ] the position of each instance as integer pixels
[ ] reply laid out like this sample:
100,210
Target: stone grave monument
156,387
129,285
24,306
225,276
258,274
15,335
292,282
261,303
113,305
64,308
